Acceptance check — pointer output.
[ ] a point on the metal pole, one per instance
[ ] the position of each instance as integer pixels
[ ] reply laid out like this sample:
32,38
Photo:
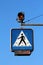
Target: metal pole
23,24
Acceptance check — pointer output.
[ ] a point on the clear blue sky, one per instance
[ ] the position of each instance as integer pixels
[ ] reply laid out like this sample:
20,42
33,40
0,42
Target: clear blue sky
8,14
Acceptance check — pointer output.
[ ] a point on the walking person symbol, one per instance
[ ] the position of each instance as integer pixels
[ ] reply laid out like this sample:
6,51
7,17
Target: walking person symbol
22,39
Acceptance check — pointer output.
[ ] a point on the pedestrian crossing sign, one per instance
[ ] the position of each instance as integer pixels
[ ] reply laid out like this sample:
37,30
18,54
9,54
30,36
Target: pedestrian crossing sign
21,39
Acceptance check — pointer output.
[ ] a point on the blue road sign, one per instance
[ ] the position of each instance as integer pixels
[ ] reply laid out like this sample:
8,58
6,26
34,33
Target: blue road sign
22,39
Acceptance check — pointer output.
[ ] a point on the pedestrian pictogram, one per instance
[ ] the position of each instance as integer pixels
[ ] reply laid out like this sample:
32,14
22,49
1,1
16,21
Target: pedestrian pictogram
22,40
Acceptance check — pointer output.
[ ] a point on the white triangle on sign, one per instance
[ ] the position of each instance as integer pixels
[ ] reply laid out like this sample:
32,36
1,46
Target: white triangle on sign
16,43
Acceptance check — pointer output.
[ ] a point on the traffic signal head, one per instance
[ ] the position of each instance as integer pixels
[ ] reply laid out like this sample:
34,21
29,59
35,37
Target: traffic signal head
21,17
